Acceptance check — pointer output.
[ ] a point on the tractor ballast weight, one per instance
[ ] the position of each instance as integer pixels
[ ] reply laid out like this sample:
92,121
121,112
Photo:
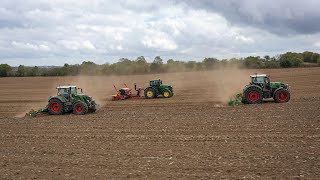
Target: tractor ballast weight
261,88
68,99
125,93
156,88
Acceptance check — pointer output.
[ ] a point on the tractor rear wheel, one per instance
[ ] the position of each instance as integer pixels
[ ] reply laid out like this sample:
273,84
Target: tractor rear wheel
80,108
282,96
167,93
149,93
56,107
253,95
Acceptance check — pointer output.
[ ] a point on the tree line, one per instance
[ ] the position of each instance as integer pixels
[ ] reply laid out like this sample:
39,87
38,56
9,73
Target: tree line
140,66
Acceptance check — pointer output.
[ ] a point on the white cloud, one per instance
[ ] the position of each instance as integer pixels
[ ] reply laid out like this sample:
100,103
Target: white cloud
317,44
75,45
158,40
30,46
105,30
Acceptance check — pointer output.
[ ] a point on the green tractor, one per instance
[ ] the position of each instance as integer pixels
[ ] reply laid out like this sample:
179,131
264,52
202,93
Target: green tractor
156,88
261,88
68,99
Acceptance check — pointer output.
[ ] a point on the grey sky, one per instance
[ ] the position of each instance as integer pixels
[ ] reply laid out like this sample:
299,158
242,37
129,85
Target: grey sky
40,32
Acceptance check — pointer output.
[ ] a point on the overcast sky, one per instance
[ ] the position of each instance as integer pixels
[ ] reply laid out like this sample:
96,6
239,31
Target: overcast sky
54,32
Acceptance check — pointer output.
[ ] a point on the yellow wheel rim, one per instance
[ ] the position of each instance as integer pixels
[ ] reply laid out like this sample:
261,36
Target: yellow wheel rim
149,93
166,94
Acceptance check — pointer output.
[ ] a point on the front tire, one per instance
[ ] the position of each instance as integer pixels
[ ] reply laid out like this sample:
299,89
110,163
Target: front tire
56,107
80,108
167,93
282,96
253,95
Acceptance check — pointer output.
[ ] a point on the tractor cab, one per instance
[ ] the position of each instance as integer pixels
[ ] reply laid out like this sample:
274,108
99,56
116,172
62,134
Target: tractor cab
68,91
261,80
155,83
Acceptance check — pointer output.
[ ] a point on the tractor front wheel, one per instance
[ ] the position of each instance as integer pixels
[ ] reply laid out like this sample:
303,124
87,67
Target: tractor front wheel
56,107
282,96
80,108
253,95
149,93
167,93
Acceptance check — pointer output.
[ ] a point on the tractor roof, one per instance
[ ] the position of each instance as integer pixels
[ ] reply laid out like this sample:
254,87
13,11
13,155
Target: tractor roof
259,75
66,87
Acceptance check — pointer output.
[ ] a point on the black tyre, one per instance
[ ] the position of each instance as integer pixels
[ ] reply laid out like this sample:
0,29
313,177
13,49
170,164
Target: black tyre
253,95
167,93
80,108
56,107
282,96
149,93
94,107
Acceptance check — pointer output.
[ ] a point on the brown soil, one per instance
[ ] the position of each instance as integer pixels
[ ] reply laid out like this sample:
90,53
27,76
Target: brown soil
192,135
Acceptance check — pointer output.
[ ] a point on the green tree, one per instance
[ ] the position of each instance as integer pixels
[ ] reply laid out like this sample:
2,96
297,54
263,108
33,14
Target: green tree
209,63
4,70
89,68
170,61
272,64
190,65
34,71
156,65
141,65
22,71
290,59
315,57
253,62
307,56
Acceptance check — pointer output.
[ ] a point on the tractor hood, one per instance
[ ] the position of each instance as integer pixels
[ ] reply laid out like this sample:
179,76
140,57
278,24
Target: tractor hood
278,85
167,86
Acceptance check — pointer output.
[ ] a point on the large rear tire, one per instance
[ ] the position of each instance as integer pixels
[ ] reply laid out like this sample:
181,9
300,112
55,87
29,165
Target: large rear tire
282,96
253,95
80,108
56,107
149,93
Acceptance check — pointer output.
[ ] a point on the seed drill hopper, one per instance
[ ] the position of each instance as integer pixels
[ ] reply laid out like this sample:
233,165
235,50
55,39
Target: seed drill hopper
125,93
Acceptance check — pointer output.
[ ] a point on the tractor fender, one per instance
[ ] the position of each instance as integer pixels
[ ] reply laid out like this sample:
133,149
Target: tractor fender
57,97
247,87
149,88
277,91
252,86
165,89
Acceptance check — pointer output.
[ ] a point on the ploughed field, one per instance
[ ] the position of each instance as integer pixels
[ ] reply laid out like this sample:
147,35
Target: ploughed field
191,135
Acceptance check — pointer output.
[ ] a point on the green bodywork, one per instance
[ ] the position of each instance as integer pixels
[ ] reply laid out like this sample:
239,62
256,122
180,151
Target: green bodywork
70,95
159,87
268,88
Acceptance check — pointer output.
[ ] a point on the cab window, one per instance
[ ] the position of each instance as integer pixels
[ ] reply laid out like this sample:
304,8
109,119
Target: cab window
73,90
62,91
258,79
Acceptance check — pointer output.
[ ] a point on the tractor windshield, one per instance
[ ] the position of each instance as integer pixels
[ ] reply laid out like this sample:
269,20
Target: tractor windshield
62,91
155,83
259,79
73,90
